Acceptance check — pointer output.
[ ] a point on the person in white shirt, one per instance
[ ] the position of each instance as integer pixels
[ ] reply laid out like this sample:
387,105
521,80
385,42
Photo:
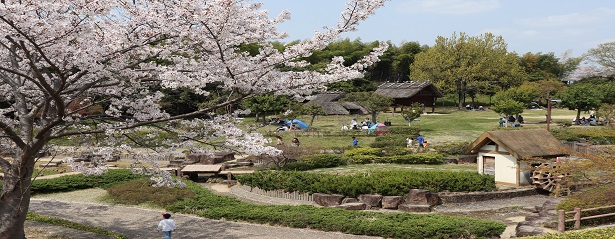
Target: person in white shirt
167,225
409,142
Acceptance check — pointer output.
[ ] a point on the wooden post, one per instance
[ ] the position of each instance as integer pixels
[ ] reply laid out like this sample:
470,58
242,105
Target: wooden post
561,220
229,176
577,218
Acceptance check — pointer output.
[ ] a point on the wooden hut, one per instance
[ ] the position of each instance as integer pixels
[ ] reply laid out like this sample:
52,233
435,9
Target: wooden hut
406,93
502,153
331,105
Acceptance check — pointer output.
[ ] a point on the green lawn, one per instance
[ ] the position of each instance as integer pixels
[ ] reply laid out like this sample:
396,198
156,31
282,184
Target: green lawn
445,125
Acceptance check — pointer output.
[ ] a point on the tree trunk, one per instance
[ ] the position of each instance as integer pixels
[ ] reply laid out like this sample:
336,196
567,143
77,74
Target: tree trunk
460,105
374,114
312,120
15,200
578,117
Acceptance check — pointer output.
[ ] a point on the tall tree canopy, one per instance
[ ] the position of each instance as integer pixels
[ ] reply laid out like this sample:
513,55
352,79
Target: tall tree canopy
581,96
103,53
457,63
372,102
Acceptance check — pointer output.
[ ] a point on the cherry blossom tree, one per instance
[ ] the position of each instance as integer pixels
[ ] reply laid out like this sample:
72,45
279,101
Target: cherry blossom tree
93,53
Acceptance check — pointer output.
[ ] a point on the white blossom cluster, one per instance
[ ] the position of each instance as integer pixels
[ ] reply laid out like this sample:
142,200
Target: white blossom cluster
60,60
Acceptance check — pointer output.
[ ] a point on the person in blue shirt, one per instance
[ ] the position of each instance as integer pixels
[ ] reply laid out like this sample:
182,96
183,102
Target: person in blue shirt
355,142
420,140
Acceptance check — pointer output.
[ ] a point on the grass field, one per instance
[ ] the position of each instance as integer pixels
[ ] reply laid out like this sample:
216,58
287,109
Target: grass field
445,125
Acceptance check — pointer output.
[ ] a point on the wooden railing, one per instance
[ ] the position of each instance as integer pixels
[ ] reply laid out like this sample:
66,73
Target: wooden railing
561,217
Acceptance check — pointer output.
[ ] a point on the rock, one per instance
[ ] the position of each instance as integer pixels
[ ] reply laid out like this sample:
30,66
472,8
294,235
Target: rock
422,197
349,200
327,200
414,208
372,201
524,230
352,206
391,202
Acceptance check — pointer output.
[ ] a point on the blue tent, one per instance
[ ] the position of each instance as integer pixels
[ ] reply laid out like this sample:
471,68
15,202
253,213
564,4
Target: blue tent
298,123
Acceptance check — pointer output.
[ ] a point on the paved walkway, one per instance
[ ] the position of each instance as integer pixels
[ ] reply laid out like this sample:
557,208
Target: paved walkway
138,223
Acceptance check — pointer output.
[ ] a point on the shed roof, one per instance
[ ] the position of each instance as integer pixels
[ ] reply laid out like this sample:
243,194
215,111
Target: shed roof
521,144
407,89
331,105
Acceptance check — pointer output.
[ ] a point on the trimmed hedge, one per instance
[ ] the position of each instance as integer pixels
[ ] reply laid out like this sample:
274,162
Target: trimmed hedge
389,140
316,161
80,181
77,226
386,183
398,155
387,225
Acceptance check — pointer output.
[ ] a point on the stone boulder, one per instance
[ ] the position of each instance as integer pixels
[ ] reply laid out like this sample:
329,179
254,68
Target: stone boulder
414,208
327,200
422,197
349,200
352,206
391,202
371,200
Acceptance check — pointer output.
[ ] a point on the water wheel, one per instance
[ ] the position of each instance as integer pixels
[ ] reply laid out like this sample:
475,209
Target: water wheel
544,178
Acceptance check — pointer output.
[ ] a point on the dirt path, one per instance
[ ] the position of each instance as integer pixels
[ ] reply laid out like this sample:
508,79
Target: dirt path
139,223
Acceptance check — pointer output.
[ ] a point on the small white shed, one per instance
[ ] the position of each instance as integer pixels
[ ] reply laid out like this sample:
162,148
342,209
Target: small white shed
502,153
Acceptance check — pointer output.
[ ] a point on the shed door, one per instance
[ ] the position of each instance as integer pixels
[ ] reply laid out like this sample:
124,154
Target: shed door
489,165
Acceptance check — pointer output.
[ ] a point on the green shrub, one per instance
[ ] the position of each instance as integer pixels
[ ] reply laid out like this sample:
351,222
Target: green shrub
413,158
363,152
140,191
452,148
80,181
384,141
316,161
387,183
65,223
387,225
405,131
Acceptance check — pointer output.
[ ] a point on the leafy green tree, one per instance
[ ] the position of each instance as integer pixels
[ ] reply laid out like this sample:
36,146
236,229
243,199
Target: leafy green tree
508,107
372,102
604,55
263,104
525,94
413,112
581,97
313,110
456,63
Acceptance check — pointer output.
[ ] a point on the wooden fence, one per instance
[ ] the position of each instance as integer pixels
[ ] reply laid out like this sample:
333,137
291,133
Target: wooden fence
561,217
278,193
580,147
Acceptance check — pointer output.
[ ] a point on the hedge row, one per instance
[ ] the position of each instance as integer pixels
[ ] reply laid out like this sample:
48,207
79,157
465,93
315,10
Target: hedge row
80,181
387,225
395,225
399,155
316,161
386,183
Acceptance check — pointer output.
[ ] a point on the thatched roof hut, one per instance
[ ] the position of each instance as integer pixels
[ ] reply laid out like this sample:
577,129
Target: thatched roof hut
521,144
504,153
331,105
406,93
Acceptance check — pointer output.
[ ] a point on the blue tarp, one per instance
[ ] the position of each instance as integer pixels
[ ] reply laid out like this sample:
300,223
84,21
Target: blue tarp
298,123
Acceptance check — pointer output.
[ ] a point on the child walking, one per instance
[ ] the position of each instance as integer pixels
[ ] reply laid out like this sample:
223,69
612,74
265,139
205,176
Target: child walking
167,225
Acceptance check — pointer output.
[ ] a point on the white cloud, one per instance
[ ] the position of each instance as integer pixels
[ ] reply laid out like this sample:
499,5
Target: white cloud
596,16
449,7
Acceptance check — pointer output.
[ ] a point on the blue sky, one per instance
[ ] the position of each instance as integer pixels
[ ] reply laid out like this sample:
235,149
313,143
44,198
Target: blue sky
526,25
